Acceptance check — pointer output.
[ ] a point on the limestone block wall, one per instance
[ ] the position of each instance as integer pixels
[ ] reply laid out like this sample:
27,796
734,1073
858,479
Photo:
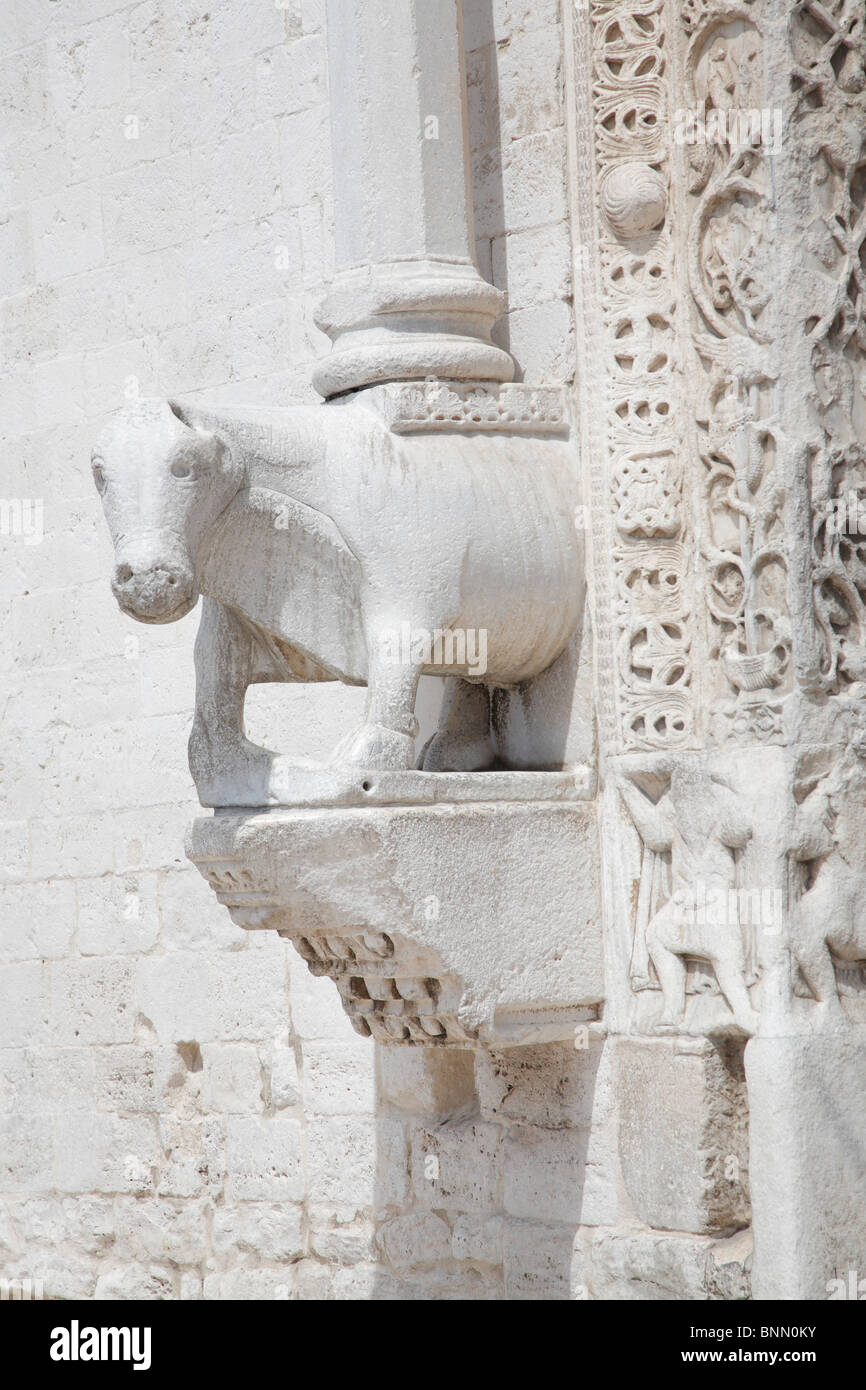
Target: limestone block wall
184,1111
164,228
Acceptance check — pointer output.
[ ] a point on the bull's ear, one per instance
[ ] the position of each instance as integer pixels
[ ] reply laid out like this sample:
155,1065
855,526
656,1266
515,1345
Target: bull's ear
211,435
183,413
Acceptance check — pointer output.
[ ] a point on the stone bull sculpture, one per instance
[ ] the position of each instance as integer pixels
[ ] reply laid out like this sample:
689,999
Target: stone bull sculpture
329,548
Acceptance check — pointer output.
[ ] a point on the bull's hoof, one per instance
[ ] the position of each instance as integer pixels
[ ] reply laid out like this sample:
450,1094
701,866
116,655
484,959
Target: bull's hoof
241,779
375,747
450,752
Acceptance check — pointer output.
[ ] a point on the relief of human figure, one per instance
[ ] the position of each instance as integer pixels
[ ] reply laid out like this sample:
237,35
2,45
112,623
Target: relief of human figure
700,823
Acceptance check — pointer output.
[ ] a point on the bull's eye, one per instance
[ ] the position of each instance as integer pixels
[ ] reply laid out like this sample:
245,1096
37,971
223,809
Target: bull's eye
99,475
181,470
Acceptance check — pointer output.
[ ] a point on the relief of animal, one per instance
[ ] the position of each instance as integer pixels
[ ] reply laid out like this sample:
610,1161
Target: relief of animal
317,535
828,923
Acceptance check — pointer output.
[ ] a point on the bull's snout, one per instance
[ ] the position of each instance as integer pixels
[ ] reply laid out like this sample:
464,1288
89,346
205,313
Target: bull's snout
159,592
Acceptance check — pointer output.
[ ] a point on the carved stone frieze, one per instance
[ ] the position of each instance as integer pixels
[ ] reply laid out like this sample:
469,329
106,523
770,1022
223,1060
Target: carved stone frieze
455,406
828,940
828,122
693,932
726,139
641,489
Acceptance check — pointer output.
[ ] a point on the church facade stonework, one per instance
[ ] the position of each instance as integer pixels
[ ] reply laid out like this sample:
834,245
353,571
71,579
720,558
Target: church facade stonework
435,860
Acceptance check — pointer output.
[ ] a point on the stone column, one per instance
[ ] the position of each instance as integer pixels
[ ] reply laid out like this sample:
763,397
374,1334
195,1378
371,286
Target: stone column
407,300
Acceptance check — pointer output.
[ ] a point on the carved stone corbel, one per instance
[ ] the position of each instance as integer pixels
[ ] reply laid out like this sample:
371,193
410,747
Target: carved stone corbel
403,528
419,914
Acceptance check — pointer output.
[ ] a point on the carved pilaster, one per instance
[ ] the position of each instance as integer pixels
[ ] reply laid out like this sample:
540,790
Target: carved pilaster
642,580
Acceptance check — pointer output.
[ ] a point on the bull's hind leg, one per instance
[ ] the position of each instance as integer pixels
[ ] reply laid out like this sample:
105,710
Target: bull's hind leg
463,742
386,739
228,770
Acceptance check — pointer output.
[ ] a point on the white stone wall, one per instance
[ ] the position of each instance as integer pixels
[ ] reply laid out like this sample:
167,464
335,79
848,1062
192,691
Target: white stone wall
514,72
185,1111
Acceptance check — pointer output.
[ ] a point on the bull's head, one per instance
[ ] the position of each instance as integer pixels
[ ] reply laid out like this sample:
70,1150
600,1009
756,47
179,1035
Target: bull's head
163,482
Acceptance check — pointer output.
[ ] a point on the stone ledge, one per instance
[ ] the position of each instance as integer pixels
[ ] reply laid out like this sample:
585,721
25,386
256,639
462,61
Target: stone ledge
316,785
419,913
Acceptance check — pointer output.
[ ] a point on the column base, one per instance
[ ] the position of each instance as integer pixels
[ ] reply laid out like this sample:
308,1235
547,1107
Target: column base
408,320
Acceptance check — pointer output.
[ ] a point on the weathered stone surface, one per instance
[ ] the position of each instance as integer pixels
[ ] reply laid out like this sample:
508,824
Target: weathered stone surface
430,1082
411,1242
808,1185
683,1136
655,833
655,1266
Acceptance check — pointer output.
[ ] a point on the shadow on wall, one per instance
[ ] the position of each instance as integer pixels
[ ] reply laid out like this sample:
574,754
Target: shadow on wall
487,1166
485,139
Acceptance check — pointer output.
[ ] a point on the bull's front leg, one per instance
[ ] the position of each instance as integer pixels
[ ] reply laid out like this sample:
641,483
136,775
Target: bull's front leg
228,770
386,739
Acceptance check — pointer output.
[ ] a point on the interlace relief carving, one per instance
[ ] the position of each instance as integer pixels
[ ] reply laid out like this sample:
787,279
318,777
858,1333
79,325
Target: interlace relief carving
828,81
651,615
728,139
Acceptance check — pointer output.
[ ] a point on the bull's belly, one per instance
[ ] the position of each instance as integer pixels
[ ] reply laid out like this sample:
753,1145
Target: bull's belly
327,603
502,633
466,648
504,649
496,653
523,607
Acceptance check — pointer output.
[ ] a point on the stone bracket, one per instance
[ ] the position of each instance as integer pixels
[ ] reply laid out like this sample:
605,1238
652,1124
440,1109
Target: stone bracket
427,917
